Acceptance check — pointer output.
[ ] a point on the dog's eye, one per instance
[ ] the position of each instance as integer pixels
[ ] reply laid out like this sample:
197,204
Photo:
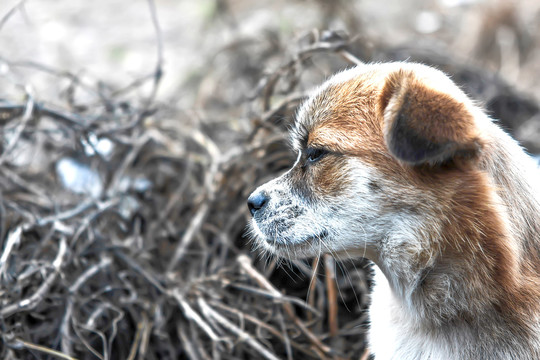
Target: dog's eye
314,155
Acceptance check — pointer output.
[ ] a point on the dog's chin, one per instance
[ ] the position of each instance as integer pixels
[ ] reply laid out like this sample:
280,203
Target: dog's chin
296,248
292,251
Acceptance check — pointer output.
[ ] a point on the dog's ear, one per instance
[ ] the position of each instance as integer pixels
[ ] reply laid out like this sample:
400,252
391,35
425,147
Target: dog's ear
423,125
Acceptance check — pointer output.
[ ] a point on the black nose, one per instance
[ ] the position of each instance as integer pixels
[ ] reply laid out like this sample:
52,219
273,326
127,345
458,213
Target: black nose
257,201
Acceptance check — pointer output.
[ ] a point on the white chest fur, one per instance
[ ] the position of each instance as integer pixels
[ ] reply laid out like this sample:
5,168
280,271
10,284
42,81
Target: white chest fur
396,335
393,334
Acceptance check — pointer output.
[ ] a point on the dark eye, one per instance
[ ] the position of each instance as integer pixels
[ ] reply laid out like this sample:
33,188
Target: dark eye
314,154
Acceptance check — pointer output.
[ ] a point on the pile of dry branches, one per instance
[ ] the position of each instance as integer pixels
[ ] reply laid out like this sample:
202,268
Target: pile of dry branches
122,218
122,222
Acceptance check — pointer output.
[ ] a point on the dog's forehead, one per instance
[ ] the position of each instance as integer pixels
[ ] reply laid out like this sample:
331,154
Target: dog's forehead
331,105
345,106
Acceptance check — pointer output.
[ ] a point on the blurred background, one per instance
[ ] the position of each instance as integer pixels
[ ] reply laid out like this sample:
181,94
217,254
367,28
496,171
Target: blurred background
131,133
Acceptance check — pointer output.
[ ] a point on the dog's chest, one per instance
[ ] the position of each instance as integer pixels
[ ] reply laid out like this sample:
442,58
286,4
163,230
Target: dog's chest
393,334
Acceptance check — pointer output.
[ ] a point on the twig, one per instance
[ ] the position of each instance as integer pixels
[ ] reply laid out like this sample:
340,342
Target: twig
30,187
198,218
104,262
313,284
2,216
158,72
278,297
71,120
87,343
190,313
290,101
332,295
145,337
36,298
75,80
65,330
350,57
151,278
281,335
82,207
138,336
245,263
27,115
270,83
187,343
10,13
128,160
13,240
19,343
243,336
285,336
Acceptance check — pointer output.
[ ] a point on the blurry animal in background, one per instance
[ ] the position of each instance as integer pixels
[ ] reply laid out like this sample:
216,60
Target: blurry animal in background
396,164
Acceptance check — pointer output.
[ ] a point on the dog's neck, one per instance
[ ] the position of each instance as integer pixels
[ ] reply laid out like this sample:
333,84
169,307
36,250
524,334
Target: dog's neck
486,236
518,178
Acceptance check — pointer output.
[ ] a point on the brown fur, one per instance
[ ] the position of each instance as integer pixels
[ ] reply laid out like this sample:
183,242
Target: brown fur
441,122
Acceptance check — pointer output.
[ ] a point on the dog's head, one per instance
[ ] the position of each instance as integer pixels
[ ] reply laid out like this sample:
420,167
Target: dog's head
382,149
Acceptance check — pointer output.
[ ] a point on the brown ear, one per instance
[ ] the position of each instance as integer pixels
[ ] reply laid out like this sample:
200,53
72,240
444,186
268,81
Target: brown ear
423,125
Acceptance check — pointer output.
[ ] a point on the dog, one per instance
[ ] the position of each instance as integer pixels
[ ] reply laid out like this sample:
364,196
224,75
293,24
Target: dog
398,165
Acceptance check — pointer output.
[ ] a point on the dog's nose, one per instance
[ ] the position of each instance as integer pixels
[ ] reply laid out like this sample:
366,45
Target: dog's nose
257,201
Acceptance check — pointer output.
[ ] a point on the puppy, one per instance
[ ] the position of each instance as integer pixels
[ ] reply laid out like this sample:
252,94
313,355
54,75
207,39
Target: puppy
396,164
